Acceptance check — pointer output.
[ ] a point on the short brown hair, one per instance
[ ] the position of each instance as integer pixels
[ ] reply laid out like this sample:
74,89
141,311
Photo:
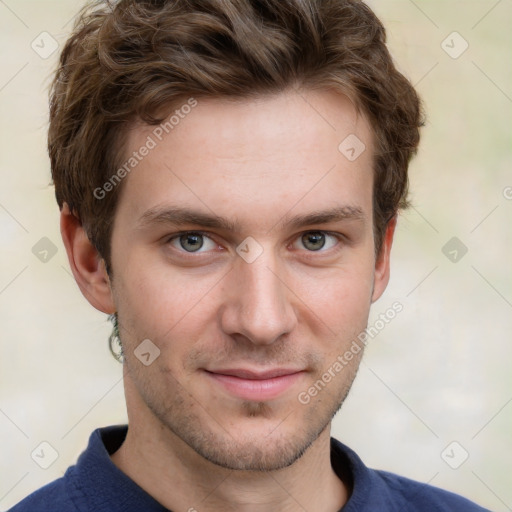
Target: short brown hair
134,60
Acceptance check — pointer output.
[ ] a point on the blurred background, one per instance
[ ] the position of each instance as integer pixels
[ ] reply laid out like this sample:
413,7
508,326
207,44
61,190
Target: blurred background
433,398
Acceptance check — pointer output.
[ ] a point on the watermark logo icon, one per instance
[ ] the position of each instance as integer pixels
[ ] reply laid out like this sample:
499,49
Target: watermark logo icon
352,147
44,45
454,45
455,455
454,250
44,455
44,250
249,250
146,352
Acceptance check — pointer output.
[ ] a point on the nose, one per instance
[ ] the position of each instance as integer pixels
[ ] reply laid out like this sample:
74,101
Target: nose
257,302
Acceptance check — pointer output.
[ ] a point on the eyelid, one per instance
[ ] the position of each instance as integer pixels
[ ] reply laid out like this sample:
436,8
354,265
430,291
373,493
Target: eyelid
168,238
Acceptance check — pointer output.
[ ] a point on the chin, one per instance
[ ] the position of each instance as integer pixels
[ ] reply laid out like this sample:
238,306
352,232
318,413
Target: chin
255,454
254,443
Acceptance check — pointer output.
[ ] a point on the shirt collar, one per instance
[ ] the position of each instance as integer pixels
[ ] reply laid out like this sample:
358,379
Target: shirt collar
105,488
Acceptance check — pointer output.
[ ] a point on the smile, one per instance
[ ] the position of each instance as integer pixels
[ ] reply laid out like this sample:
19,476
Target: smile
258,386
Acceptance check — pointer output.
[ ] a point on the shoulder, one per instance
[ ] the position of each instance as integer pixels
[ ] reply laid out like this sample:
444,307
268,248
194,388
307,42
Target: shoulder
384,491
423,497
53,497
88,477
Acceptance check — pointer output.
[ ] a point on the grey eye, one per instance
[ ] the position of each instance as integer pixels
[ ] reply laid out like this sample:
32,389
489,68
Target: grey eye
313,241
191,242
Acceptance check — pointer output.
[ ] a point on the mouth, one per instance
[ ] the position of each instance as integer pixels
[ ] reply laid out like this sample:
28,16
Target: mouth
255,385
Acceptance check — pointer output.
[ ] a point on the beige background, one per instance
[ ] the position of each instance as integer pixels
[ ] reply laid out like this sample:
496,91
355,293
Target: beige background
438,373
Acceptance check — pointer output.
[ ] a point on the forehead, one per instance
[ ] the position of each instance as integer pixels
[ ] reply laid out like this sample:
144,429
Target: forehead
254,157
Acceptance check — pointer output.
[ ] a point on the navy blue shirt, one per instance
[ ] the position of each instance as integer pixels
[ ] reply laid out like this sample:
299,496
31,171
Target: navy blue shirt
95,484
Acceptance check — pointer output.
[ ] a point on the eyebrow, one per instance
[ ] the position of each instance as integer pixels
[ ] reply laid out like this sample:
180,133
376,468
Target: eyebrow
180,216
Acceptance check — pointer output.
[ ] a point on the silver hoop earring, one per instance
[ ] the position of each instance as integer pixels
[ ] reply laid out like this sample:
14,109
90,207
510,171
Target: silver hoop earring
114,341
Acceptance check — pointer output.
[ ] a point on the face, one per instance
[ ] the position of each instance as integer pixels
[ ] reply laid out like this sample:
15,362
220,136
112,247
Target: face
243,249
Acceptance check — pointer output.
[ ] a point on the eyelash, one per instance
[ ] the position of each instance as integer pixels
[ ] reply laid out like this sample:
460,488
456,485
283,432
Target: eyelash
338,236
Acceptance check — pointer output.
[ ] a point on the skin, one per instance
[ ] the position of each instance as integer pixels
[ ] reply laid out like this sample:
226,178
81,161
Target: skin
191,443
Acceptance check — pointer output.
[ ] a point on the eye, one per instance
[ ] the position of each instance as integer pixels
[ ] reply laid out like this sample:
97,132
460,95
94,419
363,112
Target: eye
192,241
317,240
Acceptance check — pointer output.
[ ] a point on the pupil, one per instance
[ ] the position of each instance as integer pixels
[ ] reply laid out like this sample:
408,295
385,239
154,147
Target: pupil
314,238
191,243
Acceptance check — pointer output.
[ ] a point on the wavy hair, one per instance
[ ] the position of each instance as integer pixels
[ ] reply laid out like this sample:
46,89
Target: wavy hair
134,60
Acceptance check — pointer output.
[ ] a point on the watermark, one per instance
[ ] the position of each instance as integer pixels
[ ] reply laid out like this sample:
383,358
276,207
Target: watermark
344,359
152,141
507,193
44,455
352,147
45,45
454,249
454,45
44,250
455,455
146,352
249,250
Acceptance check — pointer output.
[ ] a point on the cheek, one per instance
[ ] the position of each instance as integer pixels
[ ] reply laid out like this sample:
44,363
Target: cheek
345,288
159,301
336,307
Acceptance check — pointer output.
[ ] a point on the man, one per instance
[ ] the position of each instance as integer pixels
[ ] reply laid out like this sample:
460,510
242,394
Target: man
229,175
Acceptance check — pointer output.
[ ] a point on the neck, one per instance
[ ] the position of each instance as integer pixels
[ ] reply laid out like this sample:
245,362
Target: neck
180,479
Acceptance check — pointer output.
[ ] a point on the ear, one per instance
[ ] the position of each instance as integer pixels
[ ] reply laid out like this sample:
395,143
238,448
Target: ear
87,265
382,263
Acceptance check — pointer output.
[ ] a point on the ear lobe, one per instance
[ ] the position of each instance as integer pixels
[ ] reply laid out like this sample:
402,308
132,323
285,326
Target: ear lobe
382,263
86,263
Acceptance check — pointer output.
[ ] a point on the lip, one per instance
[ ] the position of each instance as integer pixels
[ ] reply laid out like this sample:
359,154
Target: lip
255,385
